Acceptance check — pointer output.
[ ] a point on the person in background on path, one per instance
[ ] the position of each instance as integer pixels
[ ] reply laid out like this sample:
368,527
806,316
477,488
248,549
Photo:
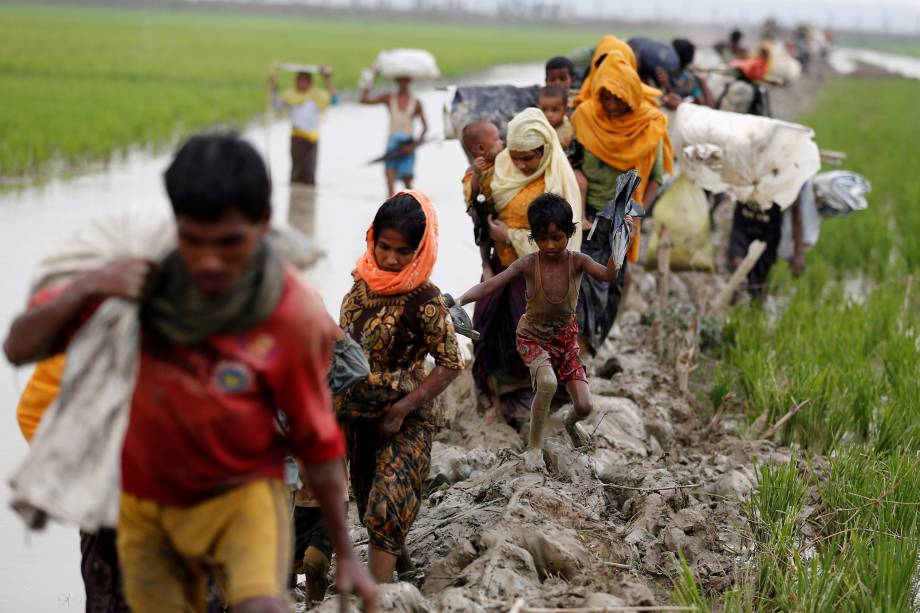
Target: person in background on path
685,84
751,223
404,110
482,143
399,318
560,71
733,49
607,45
305,105
551,100
532,163
229,335
547,334
553,103
620,129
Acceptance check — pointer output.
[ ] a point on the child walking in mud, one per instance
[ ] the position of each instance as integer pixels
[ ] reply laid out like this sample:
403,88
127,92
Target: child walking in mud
547,334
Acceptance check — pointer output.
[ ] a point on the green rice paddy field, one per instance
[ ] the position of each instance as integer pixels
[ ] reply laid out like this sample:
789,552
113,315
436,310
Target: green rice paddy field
78,82
842,536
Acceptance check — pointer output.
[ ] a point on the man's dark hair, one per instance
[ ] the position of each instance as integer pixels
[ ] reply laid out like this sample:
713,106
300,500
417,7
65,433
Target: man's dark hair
213,174
547,209
554,91
735,37
403,214
685,51
559,62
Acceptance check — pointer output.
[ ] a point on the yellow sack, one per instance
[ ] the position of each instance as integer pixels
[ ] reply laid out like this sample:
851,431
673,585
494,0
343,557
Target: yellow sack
40,392
684,211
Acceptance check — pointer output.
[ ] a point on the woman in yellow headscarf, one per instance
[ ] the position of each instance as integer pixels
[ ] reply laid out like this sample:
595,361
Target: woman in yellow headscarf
609,44
619,130
533,163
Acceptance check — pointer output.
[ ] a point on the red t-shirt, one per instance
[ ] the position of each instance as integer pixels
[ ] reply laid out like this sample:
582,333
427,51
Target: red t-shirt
203,418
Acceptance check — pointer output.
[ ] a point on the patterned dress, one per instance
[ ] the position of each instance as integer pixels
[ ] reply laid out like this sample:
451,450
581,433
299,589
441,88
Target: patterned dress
397,333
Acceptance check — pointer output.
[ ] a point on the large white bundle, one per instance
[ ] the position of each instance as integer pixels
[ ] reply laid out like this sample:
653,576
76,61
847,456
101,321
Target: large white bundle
782,65
754,159
416,64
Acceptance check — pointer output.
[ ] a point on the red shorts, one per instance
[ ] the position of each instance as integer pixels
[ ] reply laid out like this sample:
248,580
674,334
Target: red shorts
561,351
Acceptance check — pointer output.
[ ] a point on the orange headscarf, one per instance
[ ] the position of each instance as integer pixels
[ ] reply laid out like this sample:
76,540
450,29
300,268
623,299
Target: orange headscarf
417,272
609,44
630,141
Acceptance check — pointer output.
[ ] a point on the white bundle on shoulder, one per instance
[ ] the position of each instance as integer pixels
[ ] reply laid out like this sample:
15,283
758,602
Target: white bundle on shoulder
417,64
756,160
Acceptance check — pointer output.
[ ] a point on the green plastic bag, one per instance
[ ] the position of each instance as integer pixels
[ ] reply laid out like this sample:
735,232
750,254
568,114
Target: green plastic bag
684,210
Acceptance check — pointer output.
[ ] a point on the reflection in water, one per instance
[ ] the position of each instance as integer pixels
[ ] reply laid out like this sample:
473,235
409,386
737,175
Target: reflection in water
41,572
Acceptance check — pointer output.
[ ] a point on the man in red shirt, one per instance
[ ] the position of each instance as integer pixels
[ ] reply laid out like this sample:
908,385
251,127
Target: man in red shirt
230,338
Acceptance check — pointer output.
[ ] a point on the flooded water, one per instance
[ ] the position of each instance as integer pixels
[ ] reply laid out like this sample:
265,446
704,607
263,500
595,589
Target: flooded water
846,61
40,572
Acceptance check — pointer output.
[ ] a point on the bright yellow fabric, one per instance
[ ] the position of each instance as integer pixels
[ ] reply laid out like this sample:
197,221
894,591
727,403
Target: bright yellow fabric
626,142
515,215
530,130
295,97
40,392
609,44
312,136
242,538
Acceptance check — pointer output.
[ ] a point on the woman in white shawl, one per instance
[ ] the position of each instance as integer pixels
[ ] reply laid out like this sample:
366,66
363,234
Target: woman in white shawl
532,164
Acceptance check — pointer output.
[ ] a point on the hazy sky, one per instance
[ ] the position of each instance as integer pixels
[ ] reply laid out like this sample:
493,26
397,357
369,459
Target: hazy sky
902,16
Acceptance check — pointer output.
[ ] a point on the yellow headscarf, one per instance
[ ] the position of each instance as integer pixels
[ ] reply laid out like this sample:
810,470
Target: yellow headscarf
527,131
630,141
609,44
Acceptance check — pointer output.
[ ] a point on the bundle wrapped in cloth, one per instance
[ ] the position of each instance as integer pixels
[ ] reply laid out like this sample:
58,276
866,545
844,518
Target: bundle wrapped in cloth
495,103
756,160
417,64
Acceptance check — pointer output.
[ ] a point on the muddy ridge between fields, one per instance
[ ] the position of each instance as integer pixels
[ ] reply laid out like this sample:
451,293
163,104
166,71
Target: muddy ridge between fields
602,526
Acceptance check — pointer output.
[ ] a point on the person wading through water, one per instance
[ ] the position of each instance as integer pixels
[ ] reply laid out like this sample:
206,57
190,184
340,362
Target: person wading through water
305,105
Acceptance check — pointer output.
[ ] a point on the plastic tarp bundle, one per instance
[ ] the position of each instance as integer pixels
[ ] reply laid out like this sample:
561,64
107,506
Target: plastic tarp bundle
495,103
684,210
756,160
841,192
416,64
651,55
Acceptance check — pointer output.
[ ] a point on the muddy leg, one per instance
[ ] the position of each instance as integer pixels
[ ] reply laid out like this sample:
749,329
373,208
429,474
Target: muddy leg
381,564
545,383
581,401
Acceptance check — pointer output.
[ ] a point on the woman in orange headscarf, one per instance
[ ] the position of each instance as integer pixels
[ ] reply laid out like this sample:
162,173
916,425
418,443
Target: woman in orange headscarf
609,44
399,318
619,130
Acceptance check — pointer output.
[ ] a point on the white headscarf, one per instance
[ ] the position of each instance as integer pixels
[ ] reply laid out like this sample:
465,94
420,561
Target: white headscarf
527,131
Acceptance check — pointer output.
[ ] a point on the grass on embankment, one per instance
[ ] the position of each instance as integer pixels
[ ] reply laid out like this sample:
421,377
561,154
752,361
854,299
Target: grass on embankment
82,82
850,540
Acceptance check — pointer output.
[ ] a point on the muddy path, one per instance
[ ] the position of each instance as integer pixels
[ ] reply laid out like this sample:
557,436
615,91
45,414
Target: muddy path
602,526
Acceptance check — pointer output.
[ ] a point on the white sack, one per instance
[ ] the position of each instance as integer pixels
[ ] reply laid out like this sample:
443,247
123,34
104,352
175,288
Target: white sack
782,65
416,64
756,160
